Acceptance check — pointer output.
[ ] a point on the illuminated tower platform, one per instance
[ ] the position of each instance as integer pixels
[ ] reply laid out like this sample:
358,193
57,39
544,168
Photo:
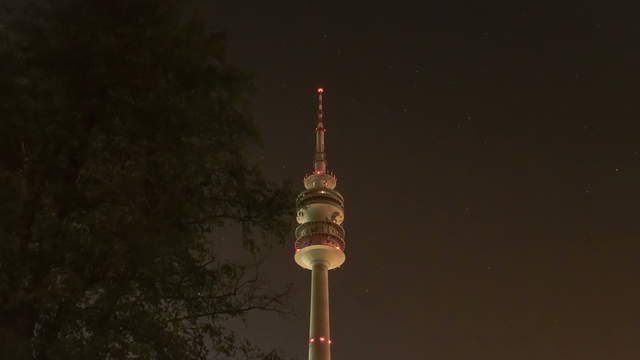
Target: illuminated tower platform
320,240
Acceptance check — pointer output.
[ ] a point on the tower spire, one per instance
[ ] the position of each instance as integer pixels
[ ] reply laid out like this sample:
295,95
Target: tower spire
320,158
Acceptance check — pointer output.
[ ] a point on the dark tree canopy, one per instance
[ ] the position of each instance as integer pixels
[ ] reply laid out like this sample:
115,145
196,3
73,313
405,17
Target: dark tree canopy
123,147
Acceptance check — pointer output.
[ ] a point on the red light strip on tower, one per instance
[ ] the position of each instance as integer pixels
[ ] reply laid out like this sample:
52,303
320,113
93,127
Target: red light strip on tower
320,339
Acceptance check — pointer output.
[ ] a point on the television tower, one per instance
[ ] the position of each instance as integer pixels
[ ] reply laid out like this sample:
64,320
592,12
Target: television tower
320,240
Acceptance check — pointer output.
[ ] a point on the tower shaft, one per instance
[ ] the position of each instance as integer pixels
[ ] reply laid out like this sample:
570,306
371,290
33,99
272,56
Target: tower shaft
319,314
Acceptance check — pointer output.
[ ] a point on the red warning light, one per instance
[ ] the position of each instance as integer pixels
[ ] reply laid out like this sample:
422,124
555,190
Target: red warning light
320,90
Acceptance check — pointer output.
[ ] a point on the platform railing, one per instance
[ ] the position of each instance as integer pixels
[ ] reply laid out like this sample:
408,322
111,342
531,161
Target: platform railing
320,233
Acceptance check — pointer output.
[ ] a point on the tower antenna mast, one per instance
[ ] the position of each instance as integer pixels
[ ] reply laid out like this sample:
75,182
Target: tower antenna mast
320,158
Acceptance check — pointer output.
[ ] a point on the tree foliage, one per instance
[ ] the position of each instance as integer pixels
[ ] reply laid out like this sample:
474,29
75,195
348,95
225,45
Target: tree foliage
123,141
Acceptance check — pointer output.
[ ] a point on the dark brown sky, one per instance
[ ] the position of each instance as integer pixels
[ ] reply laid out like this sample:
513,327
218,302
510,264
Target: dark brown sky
489,155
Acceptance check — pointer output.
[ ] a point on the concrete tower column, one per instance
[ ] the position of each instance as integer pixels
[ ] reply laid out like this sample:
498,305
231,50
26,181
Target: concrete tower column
320,348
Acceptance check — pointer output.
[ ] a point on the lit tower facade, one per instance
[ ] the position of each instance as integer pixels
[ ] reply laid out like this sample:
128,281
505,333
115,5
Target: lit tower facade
320,240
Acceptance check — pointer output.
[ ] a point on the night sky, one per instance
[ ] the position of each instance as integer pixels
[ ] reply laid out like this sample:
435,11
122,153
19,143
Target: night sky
489,155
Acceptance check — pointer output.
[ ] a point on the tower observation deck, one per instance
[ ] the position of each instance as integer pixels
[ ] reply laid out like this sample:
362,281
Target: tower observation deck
320,241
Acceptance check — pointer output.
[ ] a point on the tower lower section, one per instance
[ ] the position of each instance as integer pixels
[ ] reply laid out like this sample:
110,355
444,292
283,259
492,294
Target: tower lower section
319,333
319,259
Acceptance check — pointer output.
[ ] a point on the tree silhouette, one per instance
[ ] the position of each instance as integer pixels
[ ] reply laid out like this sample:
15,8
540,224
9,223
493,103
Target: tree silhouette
123,148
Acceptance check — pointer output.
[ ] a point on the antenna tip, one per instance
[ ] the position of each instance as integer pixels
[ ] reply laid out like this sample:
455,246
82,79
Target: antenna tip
320,90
